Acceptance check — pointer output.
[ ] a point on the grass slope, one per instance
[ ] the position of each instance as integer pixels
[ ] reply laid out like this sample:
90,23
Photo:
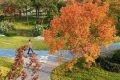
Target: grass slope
5,65
17,41
80,73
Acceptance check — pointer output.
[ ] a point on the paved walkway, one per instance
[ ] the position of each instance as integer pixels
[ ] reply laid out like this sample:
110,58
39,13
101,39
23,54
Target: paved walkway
45,71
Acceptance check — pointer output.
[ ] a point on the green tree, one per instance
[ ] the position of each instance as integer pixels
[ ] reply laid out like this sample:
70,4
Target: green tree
115,13
23,6
37,4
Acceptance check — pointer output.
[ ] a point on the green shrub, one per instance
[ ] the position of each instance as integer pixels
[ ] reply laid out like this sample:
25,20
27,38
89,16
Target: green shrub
3,27
11,33
1,17
116,56
6,26
37,30
106,63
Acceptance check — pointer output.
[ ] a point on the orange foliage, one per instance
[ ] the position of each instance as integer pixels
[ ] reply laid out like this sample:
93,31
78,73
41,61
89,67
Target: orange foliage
82,27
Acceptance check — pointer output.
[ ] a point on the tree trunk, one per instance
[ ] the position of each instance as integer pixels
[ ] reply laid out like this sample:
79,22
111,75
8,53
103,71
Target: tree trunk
26,14
36,12
20,13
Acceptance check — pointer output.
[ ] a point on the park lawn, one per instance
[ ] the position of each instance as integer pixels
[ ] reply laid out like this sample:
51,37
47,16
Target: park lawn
17,41
81,73
22,26
5,65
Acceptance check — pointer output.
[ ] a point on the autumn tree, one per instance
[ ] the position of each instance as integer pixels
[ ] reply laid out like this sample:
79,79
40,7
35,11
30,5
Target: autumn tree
82,28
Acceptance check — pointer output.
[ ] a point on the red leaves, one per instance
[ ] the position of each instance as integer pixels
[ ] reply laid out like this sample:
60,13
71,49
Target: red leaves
17,66
34,65
17,69
9,10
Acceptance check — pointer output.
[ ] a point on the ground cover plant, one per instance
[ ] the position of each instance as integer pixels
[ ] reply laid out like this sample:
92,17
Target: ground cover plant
5,65
81,73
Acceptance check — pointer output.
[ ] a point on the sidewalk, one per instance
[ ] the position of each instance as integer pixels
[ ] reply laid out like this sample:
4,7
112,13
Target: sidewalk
44,73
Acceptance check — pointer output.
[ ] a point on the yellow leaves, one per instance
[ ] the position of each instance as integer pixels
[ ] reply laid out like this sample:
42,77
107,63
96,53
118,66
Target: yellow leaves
88,60
71,63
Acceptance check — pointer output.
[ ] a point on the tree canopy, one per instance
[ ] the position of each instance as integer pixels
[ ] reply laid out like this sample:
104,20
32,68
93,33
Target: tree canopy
81,28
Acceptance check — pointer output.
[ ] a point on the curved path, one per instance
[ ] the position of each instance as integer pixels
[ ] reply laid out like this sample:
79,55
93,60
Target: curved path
44,73
50,65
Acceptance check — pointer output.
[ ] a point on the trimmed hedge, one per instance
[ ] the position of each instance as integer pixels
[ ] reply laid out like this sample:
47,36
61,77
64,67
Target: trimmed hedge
11,33
108,65
116,57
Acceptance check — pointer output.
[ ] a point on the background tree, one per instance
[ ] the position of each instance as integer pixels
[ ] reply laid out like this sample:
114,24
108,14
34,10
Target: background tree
8,7
23,6
51,9
81,28
37,4
115,13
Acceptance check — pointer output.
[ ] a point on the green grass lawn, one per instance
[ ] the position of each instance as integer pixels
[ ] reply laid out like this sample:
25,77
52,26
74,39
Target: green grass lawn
81,73
5,65
17,41
23,28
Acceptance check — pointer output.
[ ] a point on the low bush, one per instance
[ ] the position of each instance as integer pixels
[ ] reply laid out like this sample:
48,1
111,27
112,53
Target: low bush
1,17
11,33
116,57
37,30
3,28
6,26
107,64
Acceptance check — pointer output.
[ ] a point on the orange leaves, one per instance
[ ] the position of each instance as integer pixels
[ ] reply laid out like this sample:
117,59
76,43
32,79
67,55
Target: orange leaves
55,24
59,45
82,27
71,63
53,48
107,32
48,36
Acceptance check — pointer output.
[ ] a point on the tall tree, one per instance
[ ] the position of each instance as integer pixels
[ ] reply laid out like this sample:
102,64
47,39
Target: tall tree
37,4
115,13
82,28
23,6
52,9
45,6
